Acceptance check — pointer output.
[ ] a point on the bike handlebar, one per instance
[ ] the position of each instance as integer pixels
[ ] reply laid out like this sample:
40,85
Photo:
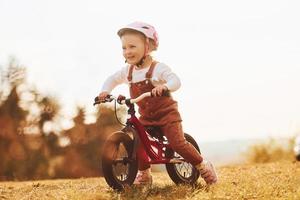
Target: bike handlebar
122,99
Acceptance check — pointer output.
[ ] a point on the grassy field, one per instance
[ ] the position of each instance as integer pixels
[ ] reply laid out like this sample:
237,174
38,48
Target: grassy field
279,180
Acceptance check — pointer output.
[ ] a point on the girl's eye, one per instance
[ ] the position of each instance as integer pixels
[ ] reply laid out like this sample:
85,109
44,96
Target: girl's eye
130,47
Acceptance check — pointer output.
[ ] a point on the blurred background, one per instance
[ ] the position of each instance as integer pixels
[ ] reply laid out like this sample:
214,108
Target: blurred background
238,63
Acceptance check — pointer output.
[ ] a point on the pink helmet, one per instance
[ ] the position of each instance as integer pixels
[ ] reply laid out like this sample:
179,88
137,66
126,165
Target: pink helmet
144,28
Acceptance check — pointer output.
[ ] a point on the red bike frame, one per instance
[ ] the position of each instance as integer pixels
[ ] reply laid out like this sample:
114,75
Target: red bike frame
146,145
150,144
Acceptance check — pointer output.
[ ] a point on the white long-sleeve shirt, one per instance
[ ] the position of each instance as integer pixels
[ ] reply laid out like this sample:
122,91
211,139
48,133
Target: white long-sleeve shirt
162,75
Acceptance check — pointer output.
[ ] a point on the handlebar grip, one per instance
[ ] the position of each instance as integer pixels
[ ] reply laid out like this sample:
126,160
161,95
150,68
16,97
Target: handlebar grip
108,98
96,100
166,93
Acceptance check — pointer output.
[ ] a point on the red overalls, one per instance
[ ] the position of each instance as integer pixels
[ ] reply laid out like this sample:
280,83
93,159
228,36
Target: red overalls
161,111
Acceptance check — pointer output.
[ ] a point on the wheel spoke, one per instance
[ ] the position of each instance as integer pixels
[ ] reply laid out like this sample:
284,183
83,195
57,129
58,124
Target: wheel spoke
120,168
117,167
183,172
185,169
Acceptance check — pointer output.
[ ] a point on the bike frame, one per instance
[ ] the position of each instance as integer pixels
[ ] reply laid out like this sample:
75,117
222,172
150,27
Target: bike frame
144,143
149,143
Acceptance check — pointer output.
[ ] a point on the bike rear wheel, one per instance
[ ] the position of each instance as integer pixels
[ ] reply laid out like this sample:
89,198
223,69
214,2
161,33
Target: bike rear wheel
182,173
119,168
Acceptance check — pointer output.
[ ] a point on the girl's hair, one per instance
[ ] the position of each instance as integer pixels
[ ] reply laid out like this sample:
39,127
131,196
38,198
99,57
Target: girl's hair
152,46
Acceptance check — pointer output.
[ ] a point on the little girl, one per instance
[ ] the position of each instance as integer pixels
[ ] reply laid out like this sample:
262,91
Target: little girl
143,74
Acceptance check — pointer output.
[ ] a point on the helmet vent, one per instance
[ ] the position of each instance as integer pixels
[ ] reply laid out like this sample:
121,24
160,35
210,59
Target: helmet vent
145,27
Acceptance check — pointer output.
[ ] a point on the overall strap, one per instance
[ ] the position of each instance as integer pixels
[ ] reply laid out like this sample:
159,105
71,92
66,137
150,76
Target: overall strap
129,77
150,71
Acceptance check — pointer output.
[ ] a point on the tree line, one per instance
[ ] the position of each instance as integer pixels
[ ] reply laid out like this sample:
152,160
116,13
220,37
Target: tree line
30,148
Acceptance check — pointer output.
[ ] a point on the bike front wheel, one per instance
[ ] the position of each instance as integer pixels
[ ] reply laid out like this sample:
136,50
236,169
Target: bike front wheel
182,173
119,167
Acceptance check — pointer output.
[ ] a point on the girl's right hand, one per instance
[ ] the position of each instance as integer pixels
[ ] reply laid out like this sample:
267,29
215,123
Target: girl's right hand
103,95
159,90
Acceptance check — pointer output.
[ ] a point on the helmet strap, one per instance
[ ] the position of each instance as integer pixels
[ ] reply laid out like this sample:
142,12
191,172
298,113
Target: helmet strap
146,53
141,62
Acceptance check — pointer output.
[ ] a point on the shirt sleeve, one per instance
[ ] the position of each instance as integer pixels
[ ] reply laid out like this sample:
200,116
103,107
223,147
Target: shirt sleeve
171,80
115,79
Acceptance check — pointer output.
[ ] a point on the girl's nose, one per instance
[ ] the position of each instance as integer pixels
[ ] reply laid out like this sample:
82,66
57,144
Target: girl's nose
127,52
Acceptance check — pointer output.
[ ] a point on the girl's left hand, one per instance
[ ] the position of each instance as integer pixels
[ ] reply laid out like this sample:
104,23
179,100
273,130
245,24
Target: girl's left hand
158,90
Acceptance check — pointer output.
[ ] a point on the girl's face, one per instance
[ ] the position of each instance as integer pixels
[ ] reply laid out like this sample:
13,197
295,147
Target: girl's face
133,47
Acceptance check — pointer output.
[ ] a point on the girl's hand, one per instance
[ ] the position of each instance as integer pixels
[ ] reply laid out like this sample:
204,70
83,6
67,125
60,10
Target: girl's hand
103,95
158,90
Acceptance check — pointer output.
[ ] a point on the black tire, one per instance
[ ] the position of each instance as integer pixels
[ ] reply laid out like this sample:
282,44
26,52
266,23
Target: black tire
183,173
119,169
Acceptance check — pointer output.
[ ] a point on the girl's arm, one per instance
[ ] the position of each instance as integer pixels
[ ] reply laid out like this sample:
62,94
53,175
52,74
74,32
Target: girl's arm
165,74
114,80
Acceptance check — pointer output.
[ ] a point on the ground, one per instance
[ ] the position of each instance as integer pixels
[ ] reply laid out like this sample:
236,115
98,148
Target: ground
279,180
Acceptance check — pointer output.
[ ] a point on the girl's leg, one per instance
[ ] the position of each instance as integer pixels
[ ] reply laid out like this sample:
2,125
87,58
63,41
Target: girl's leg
174,133
144,174
142,158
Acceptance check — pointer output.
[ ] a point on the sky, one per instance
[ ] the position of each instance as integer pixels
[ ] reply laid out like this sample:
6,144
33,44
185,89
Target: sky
238,61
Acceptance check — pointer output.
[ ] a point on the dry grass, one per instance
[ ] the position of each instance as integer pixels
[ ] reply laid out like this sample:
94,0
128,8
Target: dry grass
278,180
271,151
